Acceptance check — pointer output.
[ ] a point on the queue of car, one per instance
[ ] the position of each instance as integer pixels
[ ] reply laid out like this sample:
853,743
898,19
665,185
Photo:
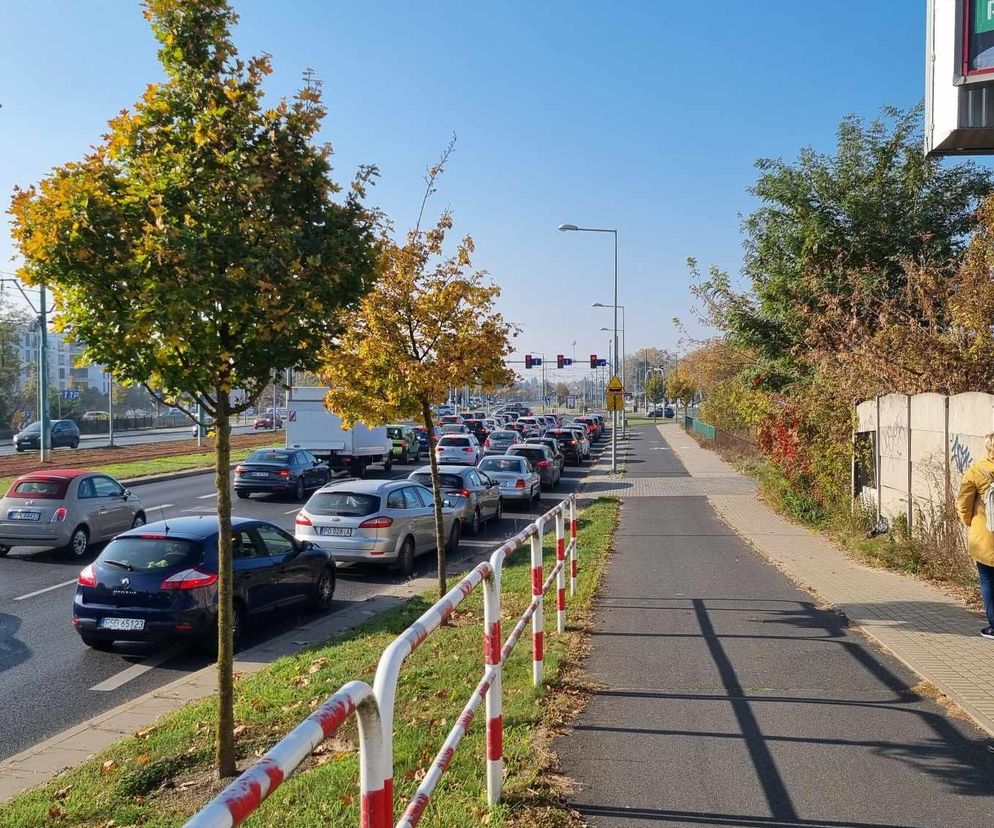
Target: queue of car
158,581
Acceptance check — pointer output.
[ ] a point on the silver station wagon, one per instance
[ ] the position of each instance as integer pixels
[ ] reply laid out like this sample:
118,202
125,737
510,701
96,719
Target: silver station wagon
375,521
67,509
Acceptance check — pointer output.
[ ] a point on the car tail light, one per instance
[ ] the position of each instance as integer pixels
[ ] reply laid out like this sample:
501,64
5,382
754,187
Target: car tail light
153,537
239,471
87,577
284,472
486,443
520,484
189,579
302,520
468,449
381,522
59,515
543,464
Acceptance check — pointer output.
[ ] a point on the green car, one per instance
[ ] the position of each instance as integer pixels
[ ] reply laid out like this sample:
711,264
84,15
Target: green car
406,448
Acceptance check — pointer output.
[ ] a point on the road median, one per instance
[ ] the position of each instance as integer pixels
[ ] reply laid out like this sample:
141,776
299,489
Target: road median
161,773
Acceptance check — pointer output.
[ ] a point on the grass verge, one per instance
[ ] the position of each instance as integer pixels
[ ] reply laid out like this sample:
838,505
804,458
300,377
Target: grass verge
161,775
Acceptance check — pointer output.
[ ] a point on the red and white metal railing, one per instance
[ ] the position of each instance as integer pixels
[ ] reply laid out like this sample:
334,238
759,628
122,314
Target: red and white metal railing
375,707
236,802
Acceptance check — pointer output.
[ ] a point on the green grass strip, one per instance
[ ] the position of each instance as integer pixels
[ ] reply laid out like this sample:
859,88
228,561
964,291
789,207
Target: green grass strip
162,776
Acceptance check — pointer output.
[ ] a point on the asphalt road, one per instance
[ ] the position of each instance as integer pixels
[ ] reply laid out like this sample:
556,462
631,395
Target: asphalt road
727,697
50,681
132,438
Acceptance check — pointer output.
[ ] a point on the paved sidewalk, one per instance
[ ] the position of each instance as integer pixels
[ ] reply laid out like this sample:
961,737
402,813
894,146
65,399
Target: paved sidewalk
727,696
931,632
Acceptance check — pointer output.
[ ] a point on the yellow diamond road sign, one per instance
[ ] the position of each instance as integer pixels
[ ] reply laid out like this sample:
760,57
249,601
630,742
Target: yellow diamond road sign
615,386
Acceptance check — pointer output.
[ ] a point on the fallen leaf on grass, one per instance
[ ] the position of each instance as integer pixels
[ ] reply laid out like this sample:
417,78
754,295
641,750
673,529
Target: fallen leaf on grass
108,767
238,731
62,793
56,812
441,694
317,664
300,681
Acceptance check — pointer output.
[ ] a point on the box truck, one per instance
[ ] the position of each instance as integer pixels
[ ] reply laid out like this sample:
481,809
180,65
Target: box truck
310,426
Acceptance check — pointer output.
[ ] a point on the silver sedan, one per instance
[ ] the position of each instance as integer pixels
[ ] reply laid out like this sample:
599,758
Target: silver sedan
66,508
474,496
376,521
517,479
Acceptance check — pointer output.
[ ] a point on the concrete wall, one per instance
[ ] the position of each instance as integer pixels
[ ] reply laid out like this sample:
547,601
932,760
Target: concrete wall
924,443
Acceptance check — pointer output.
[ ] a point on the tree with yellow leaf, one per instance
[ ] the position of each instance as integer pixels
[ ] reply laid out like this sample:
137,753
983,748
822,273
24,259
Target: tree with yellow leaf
429,324
198,249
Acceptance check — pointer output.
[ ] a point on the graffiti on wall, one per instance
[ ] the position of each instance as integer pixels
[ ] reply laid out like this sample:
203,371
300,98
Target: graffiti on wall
960,455
894,441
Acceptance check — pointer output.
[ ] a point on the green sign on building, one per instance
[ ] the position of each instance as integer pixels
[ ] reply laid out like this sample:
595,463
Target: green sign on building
983,16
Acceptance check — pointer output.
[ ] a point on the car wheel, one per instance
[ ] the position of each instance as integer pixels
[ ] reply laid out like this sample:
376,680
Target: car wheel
477,522
102,644
19,449
242,495
455,535
75,445
358,467
405,458
299,490
500,509
3,551
79,542
138,521
324,589
405,560
388,465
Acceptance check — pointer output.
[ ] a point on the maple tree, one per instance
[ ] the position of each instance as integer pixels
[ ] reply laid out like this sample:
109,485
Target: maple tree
198,248
655,388
428,324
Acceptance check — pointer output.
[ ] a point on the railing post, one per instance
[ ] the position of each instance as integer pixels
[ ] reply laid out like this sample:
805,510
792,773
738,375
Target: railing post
537,617
561,577
574,554
372,813
492,642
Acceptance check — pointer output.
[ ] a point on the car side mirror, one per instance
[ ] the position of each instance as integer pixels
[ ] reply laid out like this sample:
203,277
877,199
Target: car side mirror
126,495
446,502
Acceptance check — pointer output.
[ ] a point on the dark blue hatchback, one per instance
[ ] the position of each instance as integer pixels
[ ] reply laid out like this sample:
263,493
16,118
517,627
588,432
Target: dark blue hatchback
159,582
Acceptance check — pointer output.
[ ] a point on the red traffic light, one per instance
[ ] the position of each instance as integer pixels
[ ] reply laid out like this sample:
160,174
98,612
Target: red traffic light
528,360
593,360
559,360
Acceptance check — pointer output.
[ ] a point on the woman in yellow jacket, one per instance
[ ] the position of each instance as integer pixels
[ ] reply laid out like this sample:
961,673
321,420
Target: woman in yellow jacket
970,507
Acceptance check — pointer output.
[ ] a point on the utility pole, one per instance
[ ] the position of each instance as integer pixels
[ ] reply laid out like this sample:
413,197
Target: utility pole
46,438
110,408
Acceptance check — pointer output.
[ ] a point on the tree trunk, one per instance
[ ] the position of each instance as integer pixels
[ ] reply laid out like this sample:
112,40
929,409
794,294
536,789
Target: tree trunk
436,489
225,609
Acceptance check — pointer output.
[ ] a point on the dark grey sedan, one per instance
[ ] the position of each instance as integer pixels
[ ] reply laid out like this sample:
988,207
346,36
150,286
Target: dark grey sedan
474,496
287,471
541,460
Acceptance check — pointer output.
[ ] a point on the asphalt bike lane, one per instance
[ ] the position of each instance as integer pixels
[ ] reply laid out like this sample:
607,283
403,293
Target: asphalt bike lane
729,697
52,681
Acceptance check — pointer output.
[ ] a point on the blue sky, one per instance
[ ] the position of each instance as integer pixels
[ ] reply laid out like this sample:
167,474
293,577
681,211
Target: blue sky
644,116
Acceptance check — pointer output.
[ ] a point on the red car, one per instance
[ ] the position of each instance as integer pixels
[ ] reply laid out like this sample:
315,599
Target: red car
266,421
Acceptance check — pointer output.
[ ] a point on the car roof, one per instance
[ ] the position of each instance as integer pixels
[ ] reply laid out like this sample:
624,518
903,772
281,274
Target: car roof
192,527
364,486
58,474
446,468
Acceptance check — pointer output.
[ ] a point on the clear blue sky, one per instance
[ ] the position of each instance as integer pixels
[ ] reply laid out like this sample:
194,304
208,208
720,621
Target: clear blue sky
643,116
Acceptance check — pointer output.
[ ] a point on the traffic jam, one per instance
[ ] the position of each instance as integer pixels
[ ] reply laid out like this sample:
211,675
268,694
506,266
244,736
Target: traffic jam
154,575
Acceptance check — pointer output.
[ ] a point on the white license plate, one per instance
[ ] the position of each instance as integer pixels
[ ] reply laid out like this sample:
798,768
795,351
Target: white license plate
260,474
335,531
122,624
23,514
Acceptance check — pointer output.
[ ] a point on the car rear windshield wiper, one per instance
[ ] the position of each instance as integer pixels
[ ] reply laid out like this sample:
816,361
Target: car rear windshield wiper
121,564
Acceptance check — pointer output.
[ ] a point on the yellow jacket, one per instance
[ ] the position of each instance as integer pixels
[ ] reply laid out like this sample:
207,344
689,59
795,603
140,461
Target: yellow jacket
970,508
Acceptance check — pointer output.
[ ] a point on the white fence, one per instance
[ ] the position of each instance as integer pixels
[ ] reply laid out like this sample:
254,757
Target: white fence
919,446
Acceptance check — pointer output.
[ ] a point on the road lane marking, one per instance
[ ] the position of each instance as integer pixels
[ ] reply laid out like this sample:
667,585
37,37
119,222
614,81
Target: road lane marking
135,670
160,506
46,589
204,497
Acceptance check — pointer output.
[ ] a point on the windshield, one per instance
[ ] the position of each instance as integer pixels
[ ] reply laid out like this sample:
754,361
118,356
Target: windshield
454,441
35,426
269,456
503,435
356,504
150,554
494,464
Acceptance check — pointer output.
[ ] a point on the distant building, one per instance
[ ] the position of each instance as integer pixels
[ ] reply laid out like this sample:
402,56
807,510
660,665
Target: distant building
62,356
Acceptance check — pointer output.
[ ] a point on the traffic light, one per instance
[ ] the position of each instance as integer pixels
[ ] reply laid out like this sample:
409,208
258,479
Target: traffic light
560,360
593,360
528,361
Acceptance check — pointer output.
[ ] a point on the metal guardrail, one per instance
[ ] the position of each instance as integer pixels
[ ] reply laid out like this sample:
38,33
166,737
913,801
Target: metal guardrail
375,707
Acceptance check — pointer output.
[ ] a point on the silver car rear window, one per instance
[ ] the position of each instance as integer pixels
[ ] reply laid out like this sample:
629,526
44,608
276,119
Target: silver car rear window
503,435
448,481
493,464
355,504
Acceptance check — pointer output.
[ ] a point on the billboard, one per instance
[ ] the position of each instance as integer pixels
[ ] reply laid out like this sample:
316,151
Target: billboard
959,77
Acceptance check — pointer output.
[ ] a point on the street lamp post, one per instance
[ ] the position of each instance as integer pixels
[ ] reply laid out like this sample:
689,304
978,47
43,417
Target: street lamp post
614,425
624,352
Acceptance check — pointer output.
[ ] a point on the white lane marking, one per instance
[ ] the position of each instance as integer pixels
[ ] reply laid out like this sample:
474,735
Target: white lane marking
160,506
135,670
204,497
46,589
293,511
